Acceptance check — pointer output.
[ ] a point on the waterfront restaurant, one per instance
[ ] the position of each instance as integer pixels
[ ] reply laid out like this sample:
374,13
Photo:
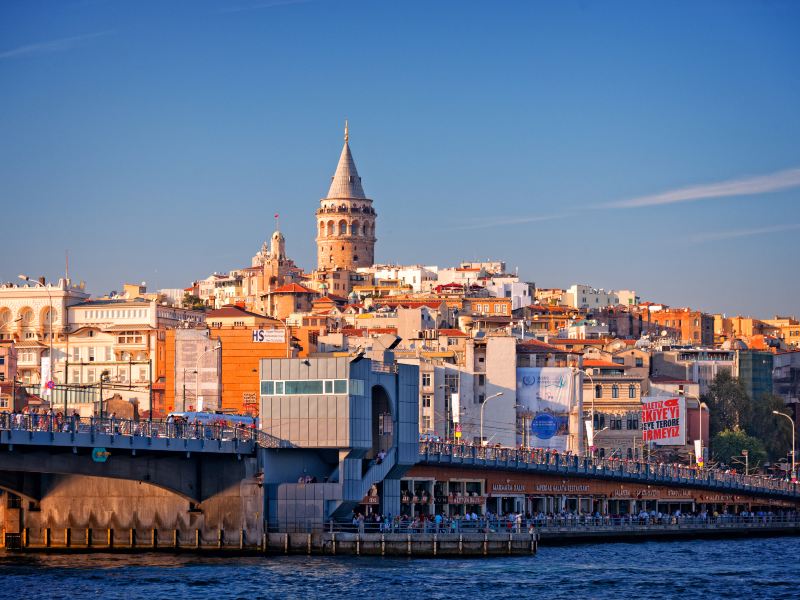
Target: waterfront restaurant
453,491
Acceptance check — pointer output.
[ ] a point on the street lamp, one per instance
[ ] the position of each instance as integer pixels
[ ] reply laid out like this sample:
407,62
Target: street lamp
791,420
483,406
700,460
50,325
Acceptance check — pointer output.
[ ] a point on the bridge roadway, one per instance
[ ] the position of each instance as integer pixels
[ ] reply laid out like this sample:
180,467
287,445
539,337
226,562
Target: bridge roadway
41,432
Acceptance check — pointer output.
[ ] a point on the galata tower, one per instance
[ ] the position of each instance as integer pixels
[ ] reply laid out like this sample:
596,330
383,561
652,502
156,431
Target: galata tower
345,219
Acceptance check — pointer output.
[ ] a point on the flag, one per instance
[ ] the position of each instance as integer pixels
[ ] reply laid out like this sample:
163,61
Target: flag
276,215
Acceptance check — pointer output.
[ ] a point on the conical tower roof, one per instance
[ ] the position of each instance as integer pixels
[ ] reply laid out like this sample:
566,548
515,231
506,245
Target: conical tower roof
345,182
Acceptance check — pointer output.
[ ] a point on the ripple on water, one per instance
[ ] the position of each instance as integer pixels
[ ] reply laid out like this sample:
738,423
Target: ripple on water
660,570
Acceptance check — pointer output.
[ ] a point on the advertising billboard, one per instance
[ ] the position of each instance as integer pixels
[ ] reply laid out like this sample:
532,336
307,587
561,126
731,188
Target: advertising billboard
664,421
546,394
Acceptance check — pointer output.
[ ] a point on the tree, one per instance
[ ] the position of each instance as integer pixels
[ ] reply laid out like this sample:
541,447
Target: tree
729,405
193,302
728,445
774,431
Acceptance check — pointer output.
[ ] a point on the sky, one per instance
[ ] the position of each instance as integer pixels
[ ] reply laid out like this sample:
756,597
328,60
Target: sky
624,145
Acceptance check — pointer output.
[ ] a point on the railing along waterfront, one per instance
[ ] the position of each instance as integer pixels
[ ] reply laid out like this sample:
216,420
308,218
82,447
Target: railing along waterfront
553,524
130,427
543,460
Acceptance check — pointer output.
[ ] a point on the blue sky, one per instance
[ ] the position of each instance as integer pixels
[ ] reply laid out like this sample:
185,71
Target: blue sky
652,146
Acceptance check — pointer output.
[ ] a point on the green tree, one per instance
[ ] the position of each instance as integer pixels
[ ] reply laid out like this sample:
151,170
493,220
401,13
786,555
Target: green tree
728,445
729,405
774,431
193,302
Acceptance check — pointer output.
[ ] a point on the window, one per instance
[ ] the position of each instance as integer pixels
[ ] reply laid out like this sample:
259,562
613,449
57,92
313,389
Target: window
481,398
426,400
91,353
142,374
616,423
639,362
618,360
109,356
631,391
633,422
76,354
129,337
598,391
426,422
90,376
599,421
76,376
451,382
306,387
481,379
615,391
426,380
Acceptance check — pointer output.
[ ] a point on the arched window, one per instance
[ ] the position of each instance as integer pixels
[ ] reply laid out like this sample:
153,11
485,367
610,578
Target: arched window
598,391
342,227
354,228
321,229
615,391
631,391
330,228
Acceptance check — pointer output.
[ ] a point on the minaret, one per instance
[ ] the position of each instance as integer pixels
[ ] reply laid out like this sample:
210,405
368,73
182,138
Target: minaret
345,218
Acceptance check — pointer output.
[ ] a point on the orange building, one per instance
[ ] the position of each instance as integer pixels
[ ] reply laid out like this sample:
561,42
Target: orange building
242,339
691,326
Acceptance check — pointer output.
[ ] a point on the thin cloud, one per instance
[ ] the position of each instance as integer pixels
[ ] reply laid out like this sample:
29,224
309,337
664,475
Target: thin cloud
51,46
485,224
260,5
716,236
761,184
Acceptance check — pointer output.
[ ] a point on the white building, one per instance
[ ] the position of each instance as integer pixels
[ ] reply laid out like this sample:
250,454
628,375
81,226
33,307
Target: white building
509,286
419,277
587,297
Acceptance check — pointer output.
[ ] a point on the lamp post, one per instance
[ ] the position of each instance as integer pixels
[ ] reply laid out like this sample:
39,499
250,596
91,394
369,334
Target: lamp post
700,460
791,420
197,377
286,334
50,325
483,406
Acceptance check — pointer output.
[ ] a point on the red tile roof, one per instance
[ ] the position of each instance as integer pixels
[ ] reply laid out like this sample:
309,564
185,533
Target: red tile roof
579,342
602,363
452,333
293,288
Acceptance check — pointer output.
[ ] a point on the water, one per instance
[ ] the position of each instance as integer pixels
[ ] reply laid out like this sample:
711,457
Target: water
755,568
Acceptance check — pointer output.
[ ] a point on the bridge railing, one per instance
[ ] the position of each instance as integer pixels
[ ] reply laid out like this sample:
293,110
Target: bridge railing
551,523
550,460
129,427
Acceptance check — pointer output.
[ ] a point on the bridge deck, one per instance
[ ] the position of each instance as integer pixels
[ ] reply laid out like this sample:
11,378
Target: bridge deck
545,462
159,436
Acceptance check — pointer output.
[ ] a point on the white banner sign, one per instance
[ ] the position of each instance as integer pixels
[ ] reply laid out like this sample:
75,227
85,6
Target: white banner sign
269,336
45,376
455,406
547,393
664,421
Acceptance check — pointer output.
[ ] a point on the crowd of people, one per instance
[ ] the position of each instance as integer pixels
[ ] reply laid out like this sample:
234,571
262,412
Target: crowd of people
517,522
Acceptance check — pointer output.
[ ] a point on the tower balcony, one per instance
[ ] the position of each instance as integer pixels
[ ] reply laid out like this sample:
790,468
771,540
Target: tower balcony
348,210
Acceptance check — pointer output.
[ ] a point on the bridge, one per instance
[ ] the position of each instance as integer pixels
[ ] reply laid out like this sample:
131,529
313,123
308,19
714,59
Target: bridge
121,437
571,466
207,485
